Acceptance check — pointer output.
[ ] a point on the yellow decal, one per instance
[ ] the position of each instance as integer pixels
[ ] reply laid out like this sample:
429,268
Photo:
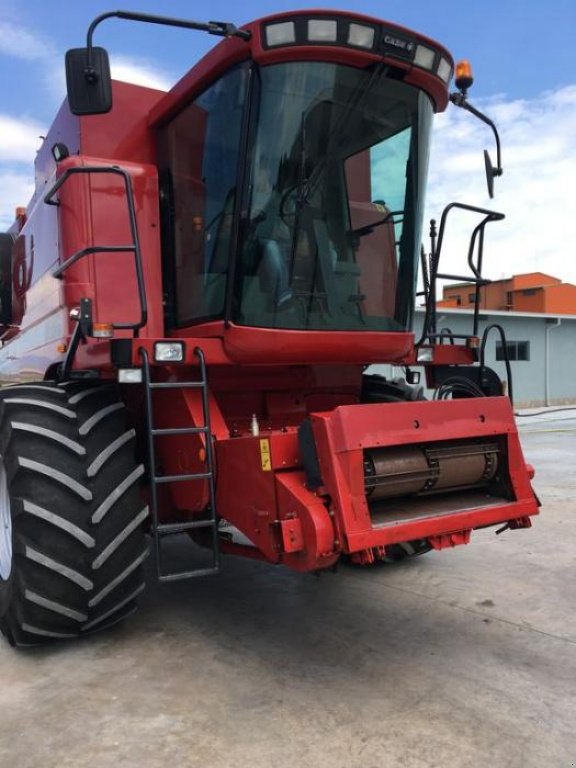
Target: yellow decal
265,455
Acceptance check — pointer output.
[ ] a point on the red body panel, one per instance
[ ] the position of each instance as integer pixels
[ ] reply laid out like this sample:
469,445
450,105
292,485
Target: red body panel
93,212
257,494
344,434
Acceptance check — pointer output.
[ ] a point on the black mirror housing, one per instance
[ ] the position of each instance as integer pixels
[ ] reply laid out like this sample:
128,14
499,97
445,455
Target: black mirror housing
490,173
89,87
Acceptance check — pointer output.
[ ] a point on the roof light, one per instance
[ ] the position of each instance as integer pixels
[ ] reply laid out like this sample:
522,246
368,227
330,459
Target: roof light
281,34
385,41
361,36
444,71
424,57
322,30
463,77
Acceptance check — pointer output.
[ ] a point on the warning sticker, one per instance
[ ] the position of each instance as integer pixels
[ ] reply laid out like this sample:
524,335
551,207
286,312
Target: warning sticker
265,455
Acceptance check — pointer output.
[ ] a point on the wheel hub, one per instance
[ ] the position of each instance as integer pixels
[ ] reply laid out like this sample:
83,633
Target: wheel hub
5,526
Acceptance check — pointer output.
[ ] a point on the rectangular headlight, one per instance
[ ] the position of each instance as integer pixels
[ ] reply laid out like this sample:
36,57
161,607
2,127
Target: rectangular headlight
362,36
280,34
130,375
322,31
425,355
169,351
424,57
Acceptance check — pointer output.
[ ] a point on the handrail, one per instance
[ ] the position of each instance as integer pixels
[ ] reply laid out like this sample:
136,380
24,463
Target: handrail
134,247
477,236
503,341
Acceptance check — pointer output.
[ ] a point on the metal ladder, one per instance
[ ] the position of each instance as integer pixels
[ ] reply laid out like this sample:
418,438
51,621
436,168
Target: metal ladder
161,530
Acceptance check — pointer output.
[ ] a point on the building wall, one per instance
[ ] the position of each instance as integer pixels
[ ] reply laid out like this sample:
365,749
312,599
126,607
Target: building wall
560,298
531,280
532,292
529,300
552,349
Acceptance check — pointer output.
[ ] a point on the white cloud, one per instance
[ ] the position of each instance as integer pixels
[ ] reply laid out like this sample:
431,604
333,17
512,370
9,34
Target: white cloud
20,139
22,43
139,72
20,142
16,189
536,191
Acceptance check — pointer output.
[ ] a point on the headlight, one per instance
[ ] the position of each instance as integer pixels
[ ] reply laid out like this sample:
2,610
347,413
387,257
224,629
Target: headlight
425,355
130,375
169,351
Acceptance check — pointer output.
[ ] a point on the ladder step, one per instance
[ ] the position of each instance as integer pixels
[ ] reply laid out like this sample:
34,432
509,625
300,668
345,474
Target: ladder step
161,530
166,528
182,478
176,384
189,574
180,431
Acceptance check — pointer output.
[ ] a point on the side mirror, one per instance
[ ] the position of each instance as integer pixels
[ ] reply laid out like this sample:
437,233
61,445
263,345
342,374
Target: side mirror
88,81
463,82
490,173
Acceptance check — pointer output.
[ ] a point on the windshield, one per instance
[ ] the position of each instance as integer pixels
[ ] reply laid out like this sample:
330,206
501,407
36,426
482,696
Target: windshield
335,200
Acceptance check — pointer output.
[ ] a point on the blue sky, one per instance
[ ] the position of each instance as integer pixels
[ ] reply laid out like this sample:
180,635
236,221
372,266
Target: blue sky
524,59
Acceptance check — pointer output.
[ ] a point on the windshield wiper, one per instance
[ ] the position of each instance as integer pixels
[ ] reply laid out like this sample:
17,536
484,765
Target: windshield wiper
369,228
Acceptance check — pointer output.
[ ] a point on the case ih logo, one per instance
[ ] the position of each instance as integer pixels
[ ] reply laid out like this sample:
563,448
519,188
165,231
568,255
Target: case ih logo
397,42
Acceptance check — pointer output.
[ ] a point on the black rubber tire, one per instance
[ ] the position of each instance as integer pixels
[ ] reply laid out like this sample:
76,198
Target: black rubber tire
78,519
395,553
406,550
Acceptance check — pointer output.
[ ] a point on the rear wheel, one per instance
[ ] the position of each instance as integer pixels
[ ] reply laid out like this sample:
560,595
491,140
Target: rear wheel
72,537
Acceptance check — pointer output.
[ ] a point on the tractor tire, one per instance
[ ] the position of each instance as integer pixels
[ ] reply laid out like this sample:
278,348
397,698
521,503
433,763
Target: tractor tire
72,521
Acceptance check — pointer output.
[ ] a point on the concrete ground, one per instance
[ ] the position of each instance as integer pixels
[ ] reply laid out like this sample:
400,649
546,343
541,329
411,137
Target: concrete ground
460,658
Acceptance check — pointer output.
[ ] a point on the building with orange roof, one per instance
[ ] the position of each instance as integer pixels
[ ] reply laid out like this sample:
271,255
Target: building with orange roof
531,292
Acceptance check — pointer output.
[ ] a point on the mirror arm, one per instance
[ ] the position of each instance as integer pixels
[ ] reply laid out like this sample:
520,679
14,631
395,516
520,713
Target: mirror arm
221,28
459,99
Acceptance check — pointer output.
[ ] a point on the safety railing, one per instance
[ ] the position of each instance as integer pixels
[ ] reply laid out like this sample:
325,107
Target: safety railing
133,247
431,276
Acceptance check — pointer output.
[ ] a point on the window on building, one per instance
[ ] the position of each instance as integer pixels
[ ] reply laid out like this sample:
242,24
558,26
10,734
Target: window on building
471,298
530,292
517,350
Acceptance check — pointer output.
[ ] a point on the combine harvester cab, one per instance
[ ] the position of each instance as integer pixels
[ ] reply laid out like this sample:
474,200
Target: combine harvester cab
189,307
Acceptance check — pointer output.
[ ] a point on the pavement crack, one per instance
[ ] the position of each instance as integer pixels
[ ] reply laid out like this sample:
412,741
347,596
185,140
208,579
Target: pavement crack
481,614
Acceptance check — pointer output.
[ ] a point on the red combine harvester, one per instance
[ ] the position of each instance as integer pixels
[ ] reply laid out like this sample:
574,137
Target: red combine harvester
188,308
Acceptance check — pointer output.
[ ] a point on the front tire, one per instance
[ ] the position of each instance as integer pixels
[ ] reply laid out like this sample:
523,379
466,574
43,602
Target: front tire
72,541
